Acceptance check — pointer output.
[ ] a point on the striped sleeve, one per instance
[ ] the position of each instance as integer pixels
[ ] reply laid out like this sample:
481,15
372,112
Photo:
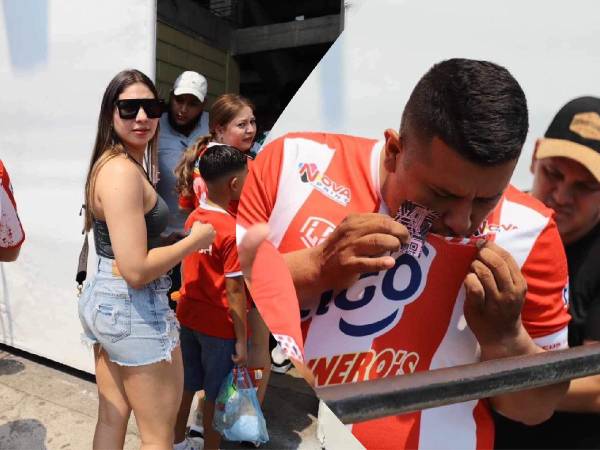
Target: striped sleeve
545,313
260,189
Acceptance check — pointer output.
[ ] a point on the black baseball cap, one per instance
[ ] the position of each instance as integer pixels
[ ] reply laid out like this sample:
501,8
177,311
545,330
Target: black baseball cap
575,133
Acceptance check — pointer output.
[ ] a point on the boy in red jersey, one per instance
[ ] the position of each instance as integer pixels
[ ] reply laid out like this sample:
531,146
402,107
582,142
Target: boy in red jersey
213,305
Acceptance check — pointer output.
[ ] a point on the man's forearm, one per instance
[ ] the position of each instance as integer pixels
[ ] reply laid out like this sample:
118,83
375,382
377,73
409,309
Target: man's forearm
531,406
238,312
305,270
583,396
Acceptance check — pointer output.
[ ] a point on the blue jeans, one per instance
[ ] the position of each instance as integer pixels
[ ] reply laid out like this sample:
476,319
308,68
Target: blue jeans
135,327
206,361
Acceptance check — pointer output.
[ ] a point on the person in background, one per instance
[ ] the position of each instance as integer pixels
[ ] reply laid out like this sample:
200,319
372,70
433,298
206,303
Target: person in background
180,126
232,122
11,229
566,169
124,310
213,304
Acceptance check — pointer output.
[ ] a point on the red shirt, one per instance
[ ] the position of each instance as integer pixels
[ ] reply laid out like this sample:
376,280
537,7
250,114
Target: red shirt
203,305
405,319
11,230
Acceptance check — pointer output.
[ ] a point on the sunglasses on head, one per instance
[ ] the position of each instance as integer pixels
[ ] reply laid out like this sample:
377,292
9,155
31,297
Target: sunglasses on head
128,109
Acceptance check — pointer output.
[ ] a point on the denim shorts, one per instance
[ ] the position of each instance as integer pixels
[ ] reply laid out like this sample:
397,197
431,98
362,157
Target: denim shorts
134,326
206,361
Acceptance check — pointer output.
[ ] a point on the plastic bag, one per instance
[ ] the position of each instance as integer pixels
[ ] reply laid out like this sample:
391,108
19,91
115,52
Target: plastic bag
238,416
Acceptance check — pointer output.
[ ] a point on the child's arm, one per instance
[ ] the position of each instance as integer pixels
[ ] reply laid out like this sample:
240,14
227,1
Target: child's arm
236,297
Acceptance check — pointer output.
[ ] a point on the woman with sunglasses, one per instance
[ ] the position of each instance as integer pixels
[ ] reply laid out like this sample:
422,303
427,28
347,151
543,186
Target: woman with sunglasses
124,310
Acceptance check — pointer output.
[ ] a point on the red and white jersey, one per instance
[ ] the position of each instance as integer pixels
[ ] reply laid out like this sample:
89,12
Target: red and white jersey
408,318
203,305
11,230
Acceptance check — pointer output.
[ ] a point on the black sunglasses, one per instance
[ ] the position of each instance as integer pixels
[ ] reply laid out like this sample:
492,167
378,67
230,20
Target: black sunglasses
128,109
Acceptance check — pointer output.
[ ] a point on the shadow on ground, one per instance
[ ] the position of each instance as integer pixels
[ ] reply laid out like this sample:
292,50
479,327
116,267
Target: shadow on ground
22,434
10,366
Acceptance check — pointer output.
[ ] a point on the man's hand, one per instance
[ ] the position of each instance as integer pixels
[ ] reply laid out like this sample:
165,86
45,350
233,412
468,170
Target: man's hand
495,292
359,245
241,353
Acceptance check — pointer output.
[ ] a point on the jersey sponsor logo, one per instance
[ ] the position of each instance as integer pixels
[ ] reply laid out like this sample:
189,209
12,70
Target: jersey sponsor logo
206,251
487,227
362,366
553,346
315,230
309,173
374,304
566,295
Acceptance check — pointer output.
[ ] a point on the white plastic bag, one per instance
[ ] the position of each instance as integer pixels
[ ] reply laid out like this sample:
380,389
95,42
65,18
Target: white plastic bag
238,416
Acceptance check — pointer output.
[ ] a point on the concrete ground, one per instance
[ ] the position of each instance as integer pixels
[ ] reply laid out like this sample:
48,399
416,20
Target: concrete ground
47,406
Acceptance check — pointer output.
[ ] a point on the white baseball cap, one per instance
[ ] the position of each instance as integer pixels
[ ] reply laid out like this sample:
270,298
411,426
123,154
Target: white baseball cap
190,82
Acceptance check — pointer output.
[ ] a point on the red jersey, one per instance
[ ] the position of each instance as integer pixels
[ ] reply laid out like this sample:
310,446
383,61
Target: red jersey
408,318
203,305
11,230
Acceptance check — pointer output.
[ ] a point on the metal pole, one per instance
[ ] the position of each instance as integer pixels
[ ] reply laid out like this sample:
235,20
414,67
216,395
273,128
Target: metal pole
357,402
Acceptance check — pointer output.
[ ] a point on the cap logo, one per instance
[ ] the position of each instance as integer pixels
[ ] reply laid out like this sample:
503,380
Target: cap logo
586,125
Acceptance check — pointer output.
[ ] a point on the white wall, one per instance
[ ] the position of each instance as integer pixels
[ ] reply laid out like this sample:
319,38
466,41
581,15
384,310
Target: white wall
361,85
56,59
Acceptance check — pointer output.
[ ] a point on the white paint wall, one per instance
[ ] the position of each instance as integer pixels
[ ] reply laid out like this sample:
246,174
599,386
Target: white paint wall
361,85
56,59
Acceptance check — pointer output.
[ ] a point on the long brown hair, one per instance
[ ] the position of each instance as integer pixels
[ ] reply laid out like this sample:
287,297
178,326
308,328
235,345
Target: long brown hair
223,111
108,144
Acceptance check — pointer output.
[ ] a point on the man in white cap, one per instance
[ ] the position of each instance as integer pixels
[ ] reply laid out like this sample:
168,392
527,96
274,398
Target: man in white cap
566,169
183,123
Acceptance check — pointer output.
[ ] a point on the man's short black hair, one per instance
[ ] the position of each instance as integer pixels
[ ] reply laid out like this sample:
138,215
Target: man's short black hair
475,107
220,161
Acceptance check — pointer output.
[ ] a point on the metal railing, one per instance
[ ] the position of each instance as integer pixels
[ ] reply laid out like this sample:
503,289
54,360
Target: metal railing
422,390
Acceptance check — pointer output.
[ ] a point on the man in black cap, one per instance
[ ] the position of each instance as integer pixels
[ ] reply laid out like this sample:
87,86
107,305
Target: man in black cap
566,168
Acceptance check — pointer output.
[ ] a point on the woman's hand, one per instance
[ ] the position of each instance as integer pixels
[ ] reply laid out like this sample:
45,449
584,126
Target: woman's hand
202,235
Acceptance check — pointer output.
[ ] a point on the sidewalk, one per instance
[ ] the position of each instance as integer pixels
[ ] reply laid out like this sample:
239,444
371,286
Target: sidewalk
44,407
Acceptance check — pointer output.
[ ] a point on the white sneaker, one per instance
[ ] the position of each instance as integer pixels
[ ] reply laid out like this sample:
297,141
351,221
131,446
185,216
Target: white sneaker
190,444
196,430
279,362
196,427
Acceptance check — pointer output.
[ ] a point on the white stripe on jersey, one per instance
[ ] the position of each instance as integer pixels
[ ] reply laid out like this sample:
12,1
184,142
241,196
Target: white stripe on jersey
458,347
529,224
291,191
554,341
376,167
240,232
234,274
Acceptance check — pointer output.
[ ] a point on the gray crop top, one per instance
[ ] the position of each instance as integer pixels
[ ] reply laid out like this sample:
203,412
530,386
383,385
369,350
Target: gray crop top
156,222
